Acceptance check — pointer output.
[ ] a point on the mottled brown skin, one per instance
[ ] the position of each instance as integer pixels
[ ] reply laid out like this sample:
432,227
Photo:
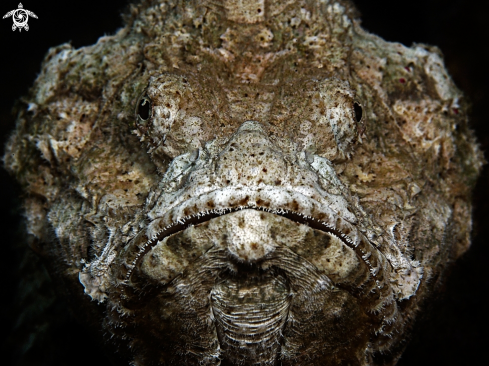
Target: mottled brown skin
247,183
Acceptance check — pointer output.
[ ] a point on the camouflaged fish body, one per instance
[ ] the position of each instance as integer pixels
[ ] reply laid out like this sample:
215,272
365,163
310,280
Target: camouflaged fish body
247,183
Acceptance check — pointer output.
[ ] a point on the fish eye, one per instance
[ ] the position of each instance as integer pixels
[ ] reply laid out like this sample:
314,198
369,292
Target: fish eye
357,108
144,108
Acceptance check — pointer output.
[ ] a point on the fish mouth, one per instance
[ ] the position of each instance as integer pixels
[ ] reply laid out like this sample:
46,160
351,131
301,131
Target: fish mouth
254,308
140,246
258,311
302,205
334,224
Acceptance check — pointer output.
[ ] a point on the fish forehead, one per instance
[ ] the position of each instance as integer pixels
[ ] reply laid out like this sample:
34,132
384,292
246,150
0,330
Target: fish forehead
277,28
214,160
251,65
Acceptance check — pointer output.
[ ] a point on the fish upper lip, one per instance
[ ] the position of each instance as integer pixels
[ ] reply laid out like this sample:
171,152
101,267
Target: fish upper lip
275,199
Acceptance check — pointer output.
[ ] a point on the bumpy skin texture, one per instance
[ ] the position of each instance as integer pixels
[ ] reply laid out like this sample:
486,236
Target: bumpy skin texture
247,183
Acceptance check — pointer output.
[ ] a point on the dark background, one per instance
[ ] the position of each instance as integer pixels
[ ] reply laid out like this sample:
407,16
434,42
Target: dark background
454,332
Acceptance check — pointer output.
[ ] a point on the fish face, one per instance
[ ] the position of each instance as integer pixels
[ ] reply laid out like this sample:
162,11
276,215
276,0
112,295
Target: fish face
247,184
247,263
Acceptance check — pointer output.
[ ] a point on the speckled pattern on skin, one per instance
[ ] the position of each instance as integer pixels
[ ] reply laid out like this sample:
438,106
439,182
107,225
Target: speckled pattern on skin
247,183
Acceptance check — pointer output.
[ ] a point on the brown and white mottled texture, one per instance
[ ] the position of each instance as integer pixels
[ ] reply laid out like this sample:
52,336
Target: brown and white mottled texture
247,183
